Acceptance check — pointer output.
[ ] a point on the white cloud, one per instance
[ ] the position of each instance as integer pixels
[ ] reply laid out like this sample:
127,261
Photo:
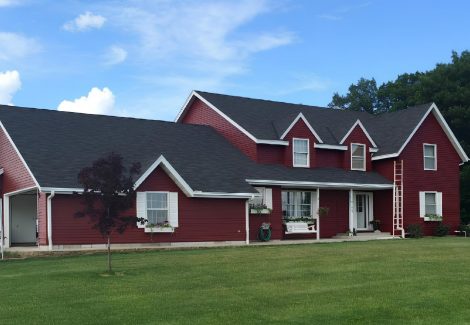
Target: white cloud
85,22
205,30
115,55
14,46
96,102
8,3
10,83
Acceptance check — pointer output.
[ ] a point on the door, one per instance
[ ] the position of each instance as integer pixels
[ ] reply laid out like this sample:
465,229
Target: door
363,211
23,219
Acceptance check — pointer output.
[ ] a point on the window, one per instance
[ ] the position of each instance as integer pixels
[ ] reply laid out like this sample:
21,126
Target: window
296,204
300,150
358,156
157,208
429,153
430,204
265,198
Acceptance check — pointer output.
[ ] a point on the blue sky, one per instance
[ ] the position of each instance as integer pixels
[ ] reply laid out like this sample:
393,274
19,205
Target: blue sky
142,58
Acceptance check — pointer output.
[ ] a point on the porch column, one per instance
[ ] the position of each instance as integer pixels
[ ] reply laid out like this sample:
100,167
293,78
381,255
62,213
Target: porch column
351,210
318,215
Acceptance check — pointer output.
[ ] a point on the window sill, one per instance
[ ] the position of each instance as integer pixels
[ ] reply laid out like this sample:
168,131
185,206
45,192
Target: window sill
431,220
160,229
262,211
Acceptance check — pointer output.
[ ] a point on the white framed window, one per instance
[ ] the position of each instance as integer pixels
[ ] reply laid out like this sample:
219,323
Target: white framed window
297,204
158,208
430,203
429,156
265,199
358,156
300,152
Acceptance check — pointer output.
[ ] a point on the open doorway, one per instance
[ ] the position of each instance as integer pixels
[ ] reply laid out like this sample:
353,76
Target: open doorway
23,224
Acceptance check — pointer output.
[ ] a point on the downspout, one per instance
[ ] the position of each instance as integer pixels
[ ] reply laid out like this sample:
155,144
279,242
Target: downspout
49,219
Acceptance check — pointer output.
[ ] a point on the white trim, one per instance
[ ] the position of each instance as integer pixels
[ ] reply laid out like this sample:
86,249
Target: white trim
49,220
373,149
358,122
365,157
301,184
6,212
435,156
235,124
329,146
222,195
171,172
442,122
247,223
318,216
19,155
302,117
1,171
351,210
308,153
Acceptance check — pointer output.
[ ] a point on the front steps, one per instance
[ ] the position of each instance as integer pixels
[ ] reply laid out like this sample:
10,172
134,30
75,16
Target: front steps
365,236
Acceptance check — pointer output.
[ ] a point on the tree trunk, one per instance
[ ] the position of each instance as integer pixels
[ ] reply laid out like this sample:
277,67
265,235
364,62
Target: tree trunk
109,254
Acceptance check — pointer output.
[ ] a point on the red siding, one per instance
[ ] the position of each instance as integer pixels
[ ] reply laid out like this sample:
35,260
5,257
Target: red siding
15,175
42,218
270,154
199,219
337,220
357,136
329,158
299,130
383,209
446,179
200,113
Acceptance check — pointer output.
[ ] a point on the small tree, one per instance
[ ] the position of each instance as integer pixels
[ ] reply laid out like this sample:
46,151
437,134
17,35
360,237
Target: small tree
108,193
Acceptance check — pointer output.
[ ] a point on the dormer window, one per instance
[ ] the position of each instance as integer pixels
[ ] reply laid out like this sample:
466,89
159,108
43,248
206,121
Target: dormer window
430,161
358,156
300,152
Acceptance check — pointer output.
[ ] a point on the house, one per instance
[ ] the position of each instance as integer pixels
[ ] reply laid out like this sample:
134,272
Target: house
224,154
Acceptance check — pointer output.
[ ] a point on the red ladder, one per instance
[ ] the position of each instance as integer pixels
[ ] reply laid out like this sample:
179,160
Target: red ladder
398,229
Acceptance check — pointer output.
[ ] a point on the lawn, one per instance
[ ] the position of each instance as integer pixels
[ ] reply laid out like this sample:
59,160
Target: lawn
393,281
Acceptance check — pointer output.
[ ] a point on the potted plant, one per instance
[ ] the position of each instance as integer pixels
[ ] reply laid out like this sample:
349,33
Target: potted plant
432,217
323,211
375,224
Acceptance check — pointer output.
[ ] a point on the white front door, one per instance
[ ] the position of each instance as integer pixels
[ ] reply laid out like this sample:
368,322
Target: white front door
23,219
363,211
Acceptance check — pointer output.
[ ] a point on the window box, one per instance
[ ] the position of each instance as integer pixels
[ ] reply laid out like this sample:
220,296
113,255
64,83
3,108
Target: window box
261,211
160,229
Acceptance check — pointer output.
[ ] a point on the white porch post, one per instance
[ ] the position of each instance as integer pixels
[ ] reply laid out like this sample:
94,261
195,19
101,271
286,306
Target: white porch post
318,215
247,222
351,210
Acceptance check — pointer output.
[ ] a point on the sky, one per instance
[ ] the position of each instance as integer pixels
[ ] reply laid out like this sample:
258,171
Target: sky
142,58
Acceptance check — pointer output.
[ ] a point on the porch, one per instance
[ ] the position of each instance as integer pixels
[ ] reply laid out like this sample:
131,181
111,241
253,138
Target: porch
337,213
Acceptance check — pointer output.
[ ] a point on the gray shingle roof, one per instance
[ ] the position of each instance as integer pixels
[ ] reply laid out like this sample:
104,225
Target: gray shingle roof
57,145
267,120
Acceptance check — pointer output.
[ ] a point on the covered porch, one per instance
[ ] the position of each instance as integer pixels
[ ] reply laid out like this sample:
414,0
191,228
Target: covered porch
301,211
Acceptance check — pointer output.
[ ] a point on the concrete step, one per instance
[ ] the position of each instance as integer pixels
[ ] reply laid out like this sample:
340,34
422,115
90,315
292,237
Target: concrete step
365,236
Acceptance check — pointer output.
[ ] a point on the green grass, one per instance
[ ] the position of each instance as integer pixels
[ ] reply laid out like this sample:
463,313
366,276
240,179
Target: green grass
395,281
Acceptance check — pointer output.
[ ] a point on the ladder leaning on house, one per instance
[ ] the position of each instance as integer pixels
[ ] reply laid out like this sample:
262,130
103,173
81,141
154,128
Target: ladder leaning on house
398,229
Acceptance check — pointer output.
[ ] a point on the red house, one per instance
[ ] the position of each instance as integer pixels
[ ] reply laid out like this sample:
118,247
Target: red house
228,165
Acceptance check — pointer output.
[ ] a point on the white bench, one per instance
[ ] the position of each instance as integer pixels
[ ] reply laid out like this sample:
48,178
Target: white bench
461,232
299,228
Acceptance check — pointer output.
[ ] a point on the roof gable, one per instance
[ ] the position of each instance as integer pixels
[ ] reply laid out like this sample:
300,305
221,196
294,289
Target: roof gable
294,122
355,125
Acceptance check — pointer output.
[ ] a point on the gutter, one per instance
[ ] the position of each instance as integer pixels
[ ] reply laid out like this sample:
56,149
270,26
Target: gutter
49,219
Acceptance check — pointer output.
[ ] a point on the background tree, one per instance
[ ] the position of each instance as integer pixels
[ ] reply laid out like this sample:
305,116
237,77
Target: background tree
448,85
108,194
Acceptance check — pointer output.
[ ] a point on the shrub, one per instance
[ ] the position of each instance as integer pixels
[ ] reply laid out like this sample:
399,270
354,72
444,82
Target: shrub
441,230
414,231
